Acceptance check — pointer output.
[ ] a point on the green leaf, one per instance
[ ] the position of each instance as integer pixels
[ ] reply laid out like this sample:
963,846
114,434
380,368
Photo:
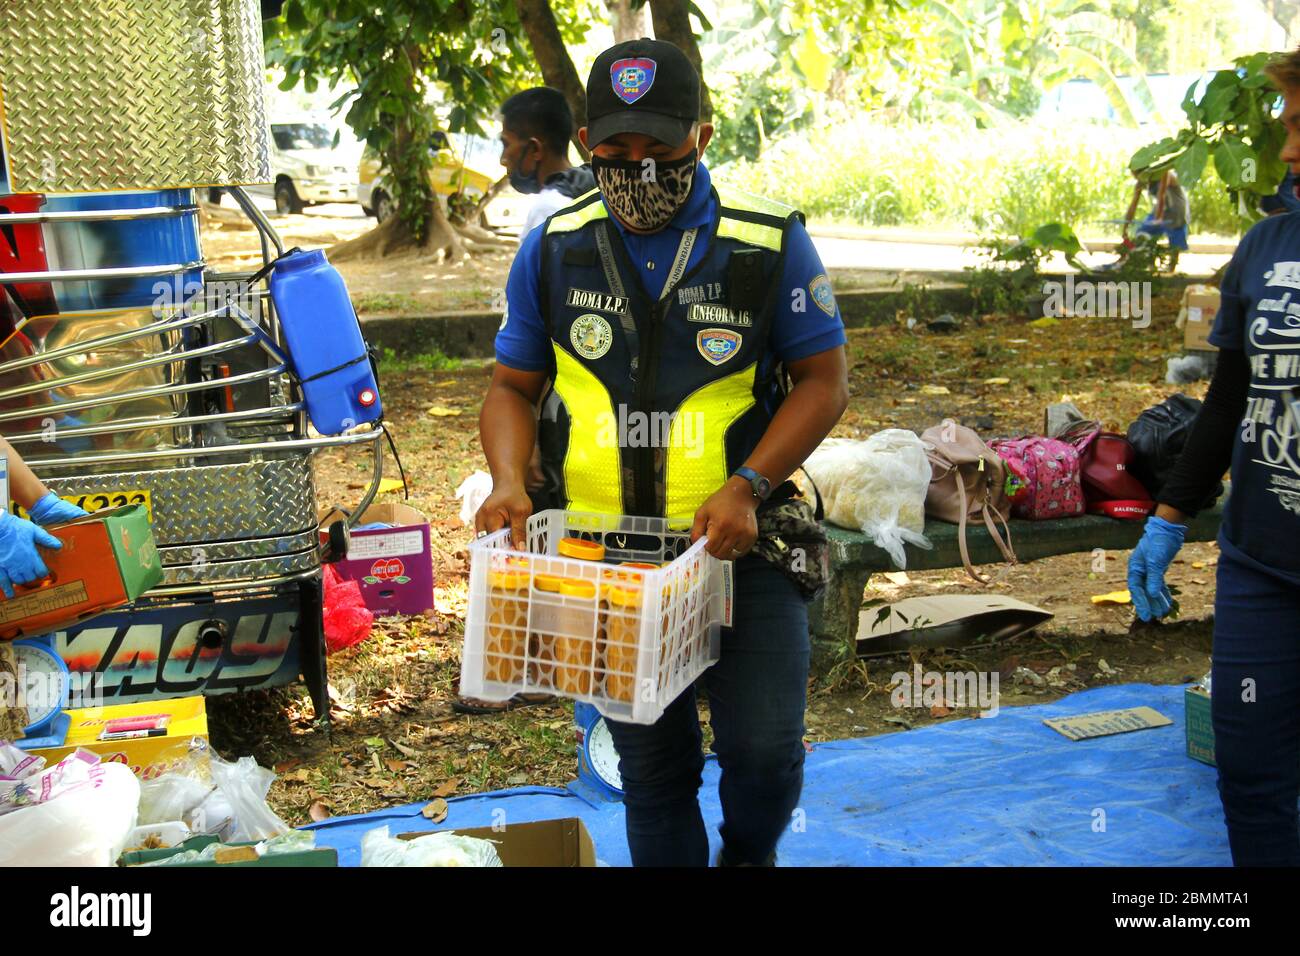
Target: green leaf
294,17
1236,163
1191,164
1219,94
375,742
370,579
402,579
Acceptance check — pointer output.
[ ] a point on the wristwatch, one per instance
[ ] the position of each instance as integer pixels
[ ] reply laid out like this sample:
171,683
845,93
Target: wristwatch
759,485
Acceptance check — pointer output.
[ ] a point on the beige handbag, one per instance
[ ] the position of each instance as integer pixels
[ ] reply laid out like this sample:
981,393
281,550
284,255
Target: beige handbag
968,480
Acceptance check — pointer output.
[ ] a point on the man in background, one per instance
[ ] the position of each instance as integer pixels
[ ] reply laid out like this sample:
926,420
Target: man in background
536,126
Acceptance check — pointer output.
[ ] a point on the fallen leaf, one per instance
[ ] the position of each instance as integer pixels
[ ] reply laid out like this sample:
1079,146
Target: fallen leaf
397,766
284,766
897,577
902,722
318,812
1198,565
442,411
376,742
998,380
516,779
404,750
376,783
390,484
935,390
1046,322
447,787
435,810
938,710
1114,597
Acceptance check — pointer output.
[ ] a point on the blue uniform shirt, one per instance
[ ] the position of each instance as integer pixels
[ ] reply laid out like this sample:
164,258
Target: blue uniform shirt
522,342
1259,313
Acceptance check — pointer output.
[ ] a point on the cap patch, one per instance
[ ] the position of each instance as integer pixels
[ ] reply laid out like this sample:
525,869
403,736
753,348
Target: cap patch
632,78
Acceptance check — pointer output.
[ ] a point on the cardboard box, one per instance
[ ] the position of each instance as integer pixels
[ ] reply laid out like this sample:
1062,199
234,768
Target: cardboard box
564,842
394,566
1199,726
108,559
148,757
1202,307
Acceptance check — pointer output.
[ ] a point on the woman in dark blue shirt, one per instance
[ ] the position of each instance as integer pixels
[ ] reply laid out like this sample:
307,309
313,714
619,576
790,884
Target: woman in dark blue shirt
1249,422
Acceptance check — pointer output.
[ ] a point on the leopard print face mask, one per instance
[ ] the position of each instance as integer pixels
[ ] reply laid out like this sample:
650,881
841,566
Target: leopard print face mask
644,197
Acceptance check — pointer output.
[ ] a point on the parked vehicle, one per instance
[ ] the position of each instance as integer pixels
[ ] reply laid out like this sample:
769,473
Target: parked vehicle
314,159
458,181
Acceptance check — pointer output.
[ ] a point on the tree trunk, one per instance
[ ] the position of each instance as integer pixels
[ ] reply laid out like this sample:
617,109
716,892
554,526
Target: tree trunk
557,68
628,23
673,23
441,240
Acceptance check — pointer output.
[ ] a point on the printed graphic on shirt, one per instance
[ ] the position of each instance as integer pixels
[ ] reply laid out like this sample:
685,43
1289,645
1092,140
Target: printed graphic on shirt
600,301
719,315
632,77
820,288
591,336
1269,429
718,345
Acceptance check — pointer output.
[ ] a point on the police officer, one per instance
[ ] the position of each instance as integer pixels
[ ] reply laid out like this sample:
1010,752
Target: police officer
660,293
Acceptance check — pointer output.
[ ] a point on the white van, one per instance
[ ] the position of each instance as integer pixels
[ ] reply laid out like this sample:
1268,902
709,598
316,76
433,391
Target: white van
308,168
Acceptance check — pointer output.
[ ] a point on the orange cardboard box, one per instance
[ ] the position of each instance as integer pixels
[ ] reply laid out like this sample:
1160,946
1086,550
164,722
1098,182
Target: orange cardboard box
108,559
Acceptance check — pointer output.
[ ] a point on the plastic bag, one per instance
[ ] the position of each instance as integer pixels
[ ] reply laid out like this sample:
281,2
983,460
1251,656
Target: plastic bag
433,849
246,785
473,491
877,486
1158,437
347,620
85,824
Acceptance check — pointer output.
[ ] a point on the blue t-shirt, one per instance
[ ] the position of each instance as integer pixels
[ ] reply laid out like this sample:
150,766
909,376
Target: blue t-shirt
522,342
1259,313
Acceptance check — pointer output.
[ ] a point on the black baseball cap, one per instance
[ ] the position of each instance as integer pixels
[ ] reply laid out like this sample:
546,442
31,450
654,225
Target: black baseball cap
642,86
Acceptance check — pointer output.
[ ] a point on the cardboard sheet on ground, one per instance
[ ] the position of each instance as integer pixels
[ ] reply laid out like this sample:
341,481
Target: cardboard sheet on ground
1004,791
946,620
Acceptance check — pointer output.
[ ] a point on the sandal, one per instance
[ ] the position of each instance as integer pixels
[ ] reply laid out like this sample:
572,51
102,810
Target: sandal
472,705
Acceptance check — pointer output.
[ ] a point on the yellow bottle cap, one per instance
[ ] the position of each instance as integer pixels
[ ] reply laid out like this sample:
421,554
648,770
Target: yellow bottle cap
547,582
507,580
581,548
625,596
578,587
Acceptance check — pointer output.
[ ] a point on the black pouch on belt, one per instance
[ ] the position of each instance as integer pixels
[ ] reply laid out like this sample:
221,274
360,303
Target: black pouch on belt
790,536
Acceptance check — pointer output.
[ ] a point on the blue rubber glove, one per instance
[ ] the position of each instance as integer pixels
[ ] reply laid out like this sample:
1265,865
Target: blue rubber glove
20,562
51,509
1148,564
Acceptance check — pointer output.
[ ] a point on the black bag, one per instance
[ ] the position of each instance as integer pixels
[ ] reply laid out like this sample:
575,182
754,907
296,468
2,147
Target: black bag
790,536
1158,437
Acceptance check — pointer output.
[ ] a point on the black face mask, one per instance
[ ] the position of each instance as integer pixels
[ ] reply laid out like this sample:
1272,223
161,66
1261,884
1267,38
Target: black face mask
526,183
645,196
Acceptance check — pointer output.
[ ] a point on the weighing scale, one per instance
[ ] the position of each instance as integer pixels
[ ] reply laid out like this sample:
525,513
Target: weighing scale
46,685
598,777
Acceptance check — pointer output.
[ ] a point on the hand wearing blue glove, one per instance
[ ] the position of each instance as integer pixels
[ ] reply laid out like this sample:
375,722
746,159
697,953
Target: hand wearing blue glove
20,562
1148,564
51,509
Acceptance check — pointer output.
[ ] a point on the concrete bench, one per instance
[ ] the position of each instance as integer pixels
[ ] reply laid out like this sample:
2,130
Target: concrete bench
833,618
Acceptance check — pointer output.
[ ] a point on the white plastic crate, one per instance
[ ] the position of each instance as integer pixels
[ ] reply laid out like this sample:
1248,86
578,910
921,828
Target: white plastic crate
628,653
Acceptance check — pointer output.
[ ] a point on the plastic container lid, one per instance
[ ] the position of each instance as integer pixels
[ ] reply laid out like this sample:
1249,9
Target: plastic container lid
581,548
507,580
547,582
627,596
578,587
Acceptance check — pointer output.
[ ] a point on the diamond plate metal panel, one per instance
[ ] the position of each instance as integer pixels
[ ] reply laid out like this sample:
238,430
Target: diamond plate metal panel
249,549
213,572
140,95
253,499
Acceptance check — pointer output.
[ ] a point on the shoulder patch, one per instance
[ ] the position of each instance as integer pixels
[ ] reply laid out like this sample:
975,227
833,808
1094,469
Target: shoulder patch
820,287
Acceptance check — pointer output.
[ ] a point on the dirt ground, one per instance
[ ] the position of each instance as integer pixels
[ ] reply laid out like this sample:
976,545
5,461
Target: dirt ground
395,739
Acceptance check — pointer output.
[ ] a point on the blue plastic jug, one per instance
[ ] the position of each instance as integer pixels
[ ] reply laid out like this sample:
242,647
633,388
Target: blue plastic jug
325,344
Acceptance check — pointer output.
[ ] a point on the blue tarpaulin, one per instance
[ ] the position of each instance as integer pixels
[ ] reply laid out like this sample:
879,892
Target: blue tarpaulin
1005,790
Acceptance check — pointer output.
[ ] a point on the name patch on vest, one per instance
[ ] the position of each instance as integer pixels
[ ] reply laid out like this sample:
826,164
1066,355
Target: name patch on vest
710,314
708,292
718,345
600,301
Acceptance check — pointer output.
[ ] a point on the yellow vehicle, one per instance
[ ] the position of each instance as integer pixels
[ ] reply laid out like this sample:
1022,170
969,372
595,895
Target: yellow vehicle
457,182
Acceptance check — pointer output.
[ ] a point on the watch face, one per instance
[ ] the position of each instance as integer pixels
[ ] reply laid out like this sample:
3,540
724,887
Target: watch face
762,487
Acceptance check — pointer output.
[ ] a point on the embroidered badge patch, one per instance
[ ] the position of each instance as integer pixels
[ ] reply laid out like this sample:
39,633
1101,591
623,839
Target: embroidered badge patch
632,77
820,288
718,345
591,336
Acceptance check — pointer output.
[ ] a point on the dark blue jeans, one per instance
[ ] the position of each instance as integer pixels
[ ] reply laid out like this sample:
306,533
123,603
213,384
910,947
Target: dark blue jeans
757,695
1257,741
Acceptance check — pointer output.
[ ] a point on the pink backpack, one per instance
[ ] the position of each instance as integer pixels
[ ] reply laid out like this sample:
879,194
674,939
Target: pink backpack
1051,471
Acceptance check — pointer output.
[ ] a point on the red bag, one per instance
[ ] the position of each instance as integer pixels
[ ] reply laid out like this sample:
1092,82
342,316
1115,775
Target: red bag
1108,484
346,618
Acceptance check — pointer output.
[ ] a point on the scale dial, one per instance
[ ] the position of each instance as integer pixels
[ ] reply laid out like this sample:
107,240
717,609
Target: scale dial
601,754
45,682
